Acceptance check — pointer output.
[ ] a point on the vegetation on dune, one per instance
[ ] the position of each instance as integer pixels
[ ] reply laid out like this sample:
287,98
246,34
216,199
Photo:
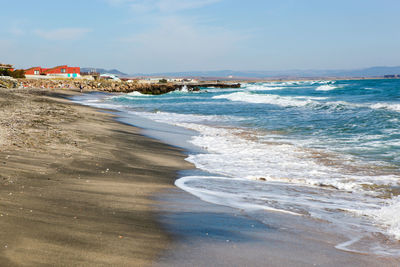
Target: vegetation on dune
14,74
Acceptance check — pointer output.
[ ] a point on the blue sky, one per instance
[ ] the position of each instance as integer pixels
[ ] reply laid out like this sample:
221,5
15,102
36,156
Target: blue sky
144,36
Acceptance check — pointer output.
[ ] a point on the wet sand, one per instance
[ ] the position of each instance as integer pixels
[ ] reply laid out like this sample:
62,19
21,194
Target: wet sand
211,235
75,185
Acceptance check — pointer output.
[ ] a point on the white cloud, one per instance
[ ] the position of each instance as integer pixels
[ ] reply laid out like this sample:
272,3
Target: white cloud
163,6
62,34
17,27
14,30
182,44
164,37
177,5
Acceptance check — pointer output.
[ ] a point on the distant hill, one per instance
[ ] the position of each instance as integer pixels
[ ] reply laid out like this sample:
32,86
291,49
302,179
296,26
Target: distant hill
103,71
367,72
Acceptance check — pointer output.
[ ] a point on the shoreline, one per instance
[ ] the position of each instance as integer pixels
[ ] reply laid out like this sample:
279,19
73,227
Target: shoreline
74,196
206,234
179,228
180,214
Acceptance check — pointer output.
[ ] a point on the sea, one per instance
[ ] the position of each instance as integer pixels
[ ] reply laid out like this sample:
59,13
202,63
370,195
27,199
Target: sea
326,150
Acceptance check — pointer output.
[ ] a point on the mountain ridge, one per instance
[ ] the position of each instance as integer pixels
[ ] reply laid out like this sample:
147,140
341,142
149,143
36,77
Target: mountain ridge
103,71
364,72
377,71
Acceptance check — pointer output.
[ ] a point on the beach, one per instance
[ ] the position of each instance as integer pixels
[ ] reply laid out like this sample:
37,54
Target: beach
75,184
80,188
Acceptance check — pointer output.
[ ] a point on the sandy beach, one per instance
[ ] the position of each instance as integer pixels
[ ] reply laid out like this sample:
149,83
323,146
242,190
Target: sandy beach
75,185
79,188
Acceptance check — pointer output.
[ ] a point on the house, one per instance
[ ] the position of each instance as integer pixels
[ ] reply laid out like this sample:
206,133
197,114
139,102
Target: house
59,71
188,80
108,76
175,80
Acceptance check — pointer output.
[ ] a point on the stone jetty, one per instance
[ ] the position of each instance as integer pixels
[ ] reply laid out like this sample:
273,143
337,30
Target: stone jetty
110,86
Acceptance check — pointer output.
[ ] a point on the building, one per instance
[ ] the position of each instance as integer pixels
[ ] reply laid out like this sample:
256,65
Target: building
108,76
60,71
175,80
6,67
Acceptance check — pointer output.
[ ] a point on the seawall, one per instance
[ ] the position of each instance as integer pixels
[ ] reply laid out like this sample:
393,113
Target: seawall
109,86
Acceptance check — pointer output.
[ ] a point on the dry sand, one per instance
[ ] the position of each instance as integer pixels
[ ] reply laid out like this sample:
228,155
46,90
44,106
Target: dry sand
75,185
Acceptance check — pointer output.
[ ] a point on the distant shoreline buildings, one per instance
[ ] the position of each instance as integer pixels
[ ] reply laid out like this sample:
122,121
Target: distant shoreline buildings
63,71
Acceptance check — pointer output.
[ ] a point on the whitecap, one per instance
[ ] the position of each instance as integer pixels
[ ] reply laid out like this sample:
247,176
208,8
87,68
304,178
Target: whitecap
136,93
326,87
282,101
388,106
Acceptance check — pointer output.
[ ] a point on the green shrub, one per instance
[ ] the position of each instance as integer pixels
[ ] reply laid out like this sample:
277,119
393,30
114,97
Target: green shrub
4,72
18,74
14,74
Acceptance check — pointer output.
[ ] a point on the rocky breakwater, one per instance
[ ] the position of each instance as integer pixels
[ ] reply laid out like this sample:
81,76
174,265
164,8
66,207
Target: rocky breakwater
215,85
145,88
8,82
108,86
102,86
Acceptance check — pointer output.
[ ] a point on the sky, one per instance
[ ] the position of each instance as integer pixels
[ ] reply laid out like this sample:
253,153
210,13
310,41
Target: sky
148,36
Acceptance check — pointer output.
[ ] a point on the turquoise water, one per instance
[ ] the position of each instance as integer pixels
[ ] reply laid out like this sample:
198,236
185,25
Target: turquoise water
360,118
328,150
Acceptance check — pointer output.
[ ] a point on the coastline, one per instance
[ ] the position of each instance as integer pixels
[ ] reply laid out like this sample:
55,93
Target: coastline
76,184
125,221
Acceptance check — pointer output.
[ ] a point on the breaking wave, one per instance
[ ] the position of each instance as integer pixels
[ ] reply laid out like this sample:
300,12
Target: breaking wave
326,87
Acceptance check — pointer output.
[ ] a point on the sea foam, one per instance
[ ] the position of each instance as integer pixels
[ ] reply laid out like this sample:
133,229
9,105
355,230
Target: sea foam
389,106
326,87
265,99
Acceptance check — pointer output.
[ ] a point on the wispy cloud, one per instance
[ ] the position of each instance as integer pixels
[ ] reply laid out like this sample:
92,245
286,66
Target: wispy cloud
17,27
62,34
164,6
16,31
182,44
164,32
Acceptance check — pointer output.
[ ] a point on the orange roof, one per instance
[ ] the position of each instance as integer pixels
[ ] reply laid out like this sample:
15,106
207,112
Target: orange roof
33,68
62,66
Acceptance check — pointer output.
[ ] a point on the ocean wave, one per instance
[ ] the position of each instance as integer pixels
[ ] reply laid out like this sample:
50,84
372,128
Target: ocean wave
313,102
266,99
389,215
233,156
263,87
285,178
179,118
284,85
388,106
136,93
202,187
325,82
326,87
